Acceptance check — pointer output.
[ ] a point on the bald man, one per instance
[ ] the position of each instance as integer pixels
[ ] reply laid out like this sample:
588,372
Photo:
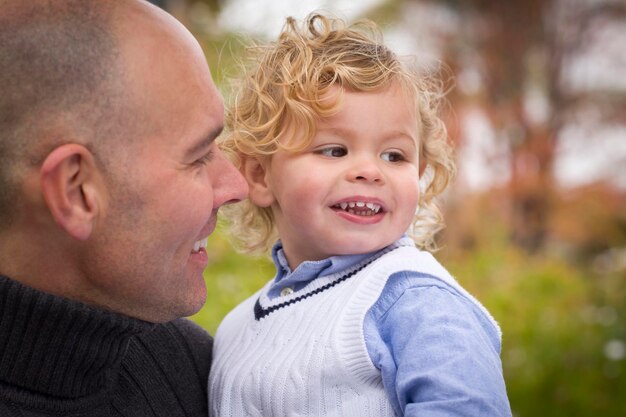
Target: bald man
110,183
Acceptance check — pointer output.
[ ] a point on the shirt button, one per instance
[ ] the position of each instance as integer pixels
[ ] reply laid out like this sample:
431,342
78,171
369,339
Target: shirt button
286,291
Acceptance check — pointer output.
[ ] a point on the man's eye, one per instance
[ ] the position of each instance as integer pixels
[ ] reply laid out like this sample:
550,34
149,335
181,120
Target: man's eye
332,151
392,156
205,159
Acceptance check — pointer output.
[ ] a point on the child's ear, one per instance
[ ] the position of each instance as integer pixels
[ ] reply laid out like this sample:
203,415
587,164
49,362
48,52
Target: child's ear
256,174
70,186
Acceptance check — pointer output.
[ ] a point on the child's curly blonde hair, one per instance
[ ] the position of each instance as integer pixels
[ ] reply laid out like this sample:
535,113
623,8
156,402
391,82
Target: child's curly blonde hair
282,86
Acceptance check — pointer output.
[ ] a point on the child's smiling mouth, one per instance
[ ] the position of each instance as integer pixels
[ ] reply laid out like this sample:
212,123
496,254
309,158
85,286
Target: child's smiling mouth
359,208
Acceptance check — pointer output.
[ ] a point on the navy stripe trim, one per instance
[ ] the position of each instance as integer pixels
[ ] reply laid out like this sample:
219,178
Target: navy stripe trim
260,312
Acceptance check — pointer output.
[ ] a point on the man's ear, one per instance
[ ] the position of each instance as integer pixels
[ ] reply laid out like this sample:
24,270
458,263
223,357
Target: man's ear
69,182
255,172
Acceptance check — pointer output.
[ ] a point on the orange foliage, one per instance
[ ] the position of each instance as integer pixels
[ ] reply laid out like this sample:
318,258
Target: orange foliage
590,218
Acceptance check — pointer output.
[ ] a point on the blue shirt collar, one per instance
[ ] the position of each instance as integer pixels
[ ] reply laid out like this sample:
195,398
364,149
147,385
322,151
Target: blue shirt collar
309,270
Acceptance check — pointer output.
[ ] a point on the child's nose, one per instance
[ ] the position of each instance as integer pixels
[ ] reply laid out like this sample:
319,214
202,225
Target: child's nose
365,169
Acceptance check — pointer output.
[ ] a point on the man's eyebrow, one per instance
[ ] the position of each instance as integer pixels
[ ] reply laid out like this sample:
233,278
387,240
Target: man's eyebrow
204,143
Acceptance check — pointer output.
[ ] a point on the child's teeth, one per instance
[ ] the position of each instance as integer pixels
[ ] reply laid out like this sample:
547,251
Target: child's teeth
360,204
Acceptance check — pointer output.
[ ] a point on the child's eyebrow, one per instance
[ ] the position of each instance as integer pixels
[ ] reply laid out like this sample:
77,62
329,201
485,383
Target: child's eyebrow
339,131
348,132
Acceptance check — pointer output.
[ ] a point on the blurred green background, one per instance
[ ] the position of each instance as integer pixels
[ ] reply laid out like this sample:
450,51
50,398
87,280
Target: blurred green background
537,217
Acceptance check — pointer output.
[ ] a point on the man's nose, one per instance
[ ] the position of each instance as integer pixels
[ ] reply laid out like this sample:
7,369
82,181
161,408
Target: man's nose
229,185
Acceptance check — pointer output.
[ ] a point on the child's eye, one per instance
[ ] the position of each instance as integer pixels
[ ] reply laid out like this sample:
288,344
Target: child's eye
333,151
392,156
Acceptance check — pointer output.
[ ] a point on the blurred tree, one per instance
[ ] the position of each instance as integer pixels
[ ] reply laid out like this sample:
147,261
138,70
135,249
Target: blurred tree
214,5
527,56
589,221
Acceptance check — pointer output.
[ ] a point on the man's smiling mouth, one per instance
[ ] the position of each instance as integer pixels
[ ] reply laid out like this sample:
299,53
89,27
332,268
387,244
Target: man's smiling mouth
200,244
359,208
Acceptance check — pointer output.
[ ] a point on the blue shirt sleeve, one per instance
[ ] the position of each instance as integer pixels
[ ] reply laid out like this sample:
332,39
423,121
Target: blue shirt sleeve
438,352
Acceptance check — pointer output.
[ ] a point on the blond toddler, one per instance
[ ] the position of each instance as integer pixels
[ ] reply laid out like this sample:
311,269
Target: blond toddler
333,132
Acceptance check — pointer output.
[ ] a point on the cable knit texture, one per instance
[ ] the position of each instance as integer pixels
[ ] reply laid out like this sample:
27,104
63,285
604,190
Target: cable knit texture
305,353
59,357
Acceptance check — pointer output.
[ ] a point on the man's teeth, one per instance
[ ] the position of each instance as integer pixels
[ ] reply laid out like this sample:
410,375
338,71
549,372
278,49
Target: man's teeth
373,207
200,244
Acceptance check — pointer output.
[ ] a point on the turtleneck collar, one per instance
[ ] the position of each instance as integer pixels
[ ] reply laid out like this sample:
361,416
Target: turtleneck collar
57,346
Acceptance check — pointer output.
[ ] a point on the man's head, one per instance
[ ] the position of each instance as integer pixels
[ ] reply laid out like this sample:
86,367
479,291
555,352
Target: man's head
59,69
109,166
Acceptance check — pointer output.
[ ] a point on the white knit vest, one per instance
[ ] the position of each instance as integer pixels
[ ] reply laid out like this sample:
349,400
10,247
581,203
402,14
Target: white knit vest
305,355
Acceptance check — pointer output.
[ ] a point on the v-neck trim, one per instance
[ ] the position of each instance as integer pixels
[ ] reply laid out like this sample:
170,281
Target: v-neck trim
317,286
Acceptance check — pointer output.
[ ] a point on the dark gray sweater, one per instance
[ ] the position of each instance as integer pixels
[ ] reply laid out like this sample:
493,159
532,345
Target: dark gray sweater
62,358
